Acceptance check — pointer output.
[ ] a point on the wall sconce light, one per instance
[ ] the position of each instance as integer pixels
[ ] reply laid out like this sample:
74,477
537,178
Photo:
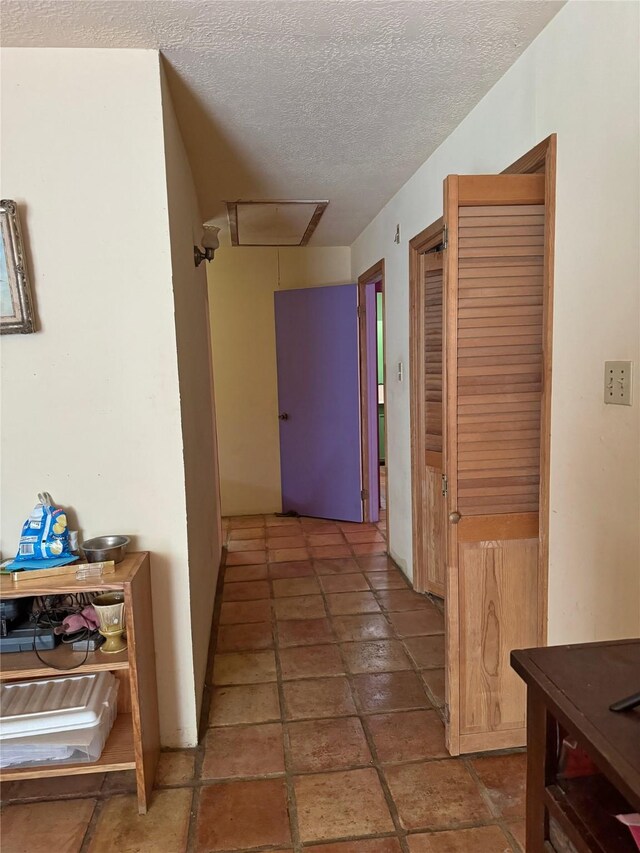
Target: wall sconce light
209,242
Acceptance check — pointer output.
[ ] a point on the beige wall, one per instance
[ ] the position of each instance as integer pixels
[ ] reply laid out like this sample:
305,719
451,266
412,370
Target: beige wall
193,340
242,282
579,78
91,403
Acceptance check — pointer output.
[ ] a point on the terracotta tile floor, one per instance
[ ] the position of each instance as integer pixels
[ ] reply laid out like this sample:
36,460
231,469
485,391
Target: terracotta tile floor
325,732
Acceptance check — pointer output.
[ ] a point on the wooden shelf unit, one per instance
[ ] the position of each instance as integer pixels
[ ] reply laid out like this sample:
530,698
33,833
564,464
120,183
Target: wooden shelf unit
134,741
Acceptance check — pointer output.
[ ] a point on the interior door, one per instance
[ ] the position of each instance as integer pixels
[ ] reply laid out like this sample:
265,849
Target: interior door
494,295
435,528
319,401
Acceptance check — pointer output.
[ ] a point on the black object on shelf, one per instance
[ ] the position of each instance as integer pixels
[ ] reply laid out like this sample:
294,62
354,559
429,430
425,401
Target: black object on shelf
627,704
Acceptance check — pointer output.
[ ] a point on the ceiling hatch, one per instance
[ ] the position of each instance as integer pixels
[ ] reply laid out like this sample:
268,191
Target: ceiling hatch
278,222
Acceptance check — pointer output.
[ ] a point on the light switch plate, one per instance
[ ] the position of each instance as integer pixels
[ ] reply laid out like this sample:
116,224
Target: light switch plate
618,387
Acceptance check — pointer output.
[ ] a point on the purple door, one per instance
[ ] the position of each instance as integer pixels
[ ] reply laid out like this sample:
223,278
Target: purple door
319,401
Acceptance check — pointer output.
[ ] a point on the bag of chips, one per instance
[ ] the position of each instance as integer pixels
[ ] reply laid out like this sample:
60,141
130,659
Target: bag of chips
45,534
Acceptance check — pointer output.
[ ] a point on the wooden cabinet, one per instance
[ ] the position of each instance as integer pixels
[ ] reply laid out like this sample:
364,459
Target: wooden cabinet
134,742
572,806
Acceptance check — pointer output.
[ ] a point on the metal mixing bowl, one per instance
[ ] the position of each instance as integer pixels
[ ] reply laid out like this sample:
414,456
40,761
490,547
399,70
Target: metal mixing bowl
105,548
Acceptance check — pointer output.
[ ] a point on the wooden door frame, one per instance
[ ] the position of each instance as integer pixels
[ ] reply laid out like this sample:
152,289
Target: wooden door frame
423,242
375,273
541,158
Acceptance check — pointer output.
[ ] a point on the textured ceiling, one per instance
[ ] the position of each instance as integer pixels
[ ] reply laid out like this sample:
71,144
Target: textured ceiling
337,99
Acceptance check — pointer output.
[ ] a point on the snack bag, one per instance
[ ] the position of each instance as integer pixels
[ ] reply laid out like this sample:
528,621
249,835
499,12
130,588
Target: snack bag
45,534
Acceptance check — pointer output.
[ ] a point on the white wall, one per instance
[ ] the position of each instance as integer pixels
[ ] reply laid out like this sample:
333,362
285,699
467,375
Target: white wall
579,78
242,282
91,402
193,340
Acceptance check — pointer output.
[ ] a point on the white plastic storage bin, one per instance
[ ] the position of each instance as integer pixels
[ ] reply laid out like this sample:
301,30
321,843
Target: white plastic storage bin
63,720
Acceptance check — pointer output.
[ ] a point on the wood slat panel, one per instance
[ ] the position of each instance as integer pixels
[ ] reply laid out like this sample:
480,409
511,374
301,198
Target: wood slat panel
499,346
433,282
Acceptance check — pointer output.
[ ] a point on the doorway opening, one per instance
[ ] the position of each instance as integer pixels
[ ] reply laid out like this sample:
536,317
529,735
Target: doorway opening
373,418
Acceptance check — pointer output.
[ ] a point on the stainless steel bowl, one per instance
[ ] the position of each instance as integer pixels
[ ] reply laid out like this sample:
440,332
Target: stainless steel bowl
105,548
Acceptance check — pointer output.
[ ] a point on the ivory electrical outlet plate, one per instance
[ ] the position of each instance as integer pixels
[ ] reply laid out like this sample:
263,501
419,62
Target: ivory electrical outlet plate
618,383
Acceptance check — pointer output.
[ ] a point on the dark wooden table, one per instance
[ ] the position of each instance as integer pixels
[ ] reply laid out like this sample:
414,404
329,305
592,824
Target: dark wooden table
569,690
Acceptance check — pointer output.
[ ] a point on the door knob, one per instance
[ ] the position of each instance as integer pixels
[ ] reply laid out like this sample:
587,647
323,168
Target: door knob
454,517
283,417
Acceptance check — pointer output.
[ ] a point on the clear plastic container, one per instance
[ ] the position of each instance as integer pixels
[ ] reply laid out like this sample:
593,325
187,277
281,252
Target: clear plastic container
45,734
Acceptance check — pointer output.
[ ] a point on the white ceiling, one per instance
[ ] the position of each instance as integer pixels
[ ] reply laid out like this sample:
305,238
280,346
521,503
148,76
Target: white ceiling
336,99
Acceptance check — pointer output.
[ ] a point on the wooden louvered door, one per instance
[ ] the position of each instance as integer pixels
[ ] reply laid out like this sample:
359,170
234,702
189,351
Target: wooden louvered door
434,504
494,293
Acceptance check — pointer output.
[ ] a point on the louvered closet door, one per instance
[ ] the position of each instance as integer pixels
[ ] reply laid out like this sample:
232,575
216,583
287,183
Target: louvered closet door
434,510
493,387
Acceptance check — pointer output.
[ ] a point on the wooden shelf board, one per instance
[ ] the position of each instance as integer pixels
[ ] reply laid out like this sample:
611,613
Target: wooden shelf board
19,665
118,754
587,806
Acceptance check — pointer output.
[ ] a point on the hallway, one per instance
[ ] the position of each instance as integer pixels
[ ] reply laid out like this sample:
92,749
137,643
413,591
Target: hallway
324,722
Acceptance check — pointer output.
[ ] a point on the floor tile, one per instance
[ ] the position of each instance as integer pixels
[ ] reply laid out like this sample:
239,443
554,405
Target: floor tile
244,667
246,521
504,777
320,552
237,612
408,736
272,521
434,680
390,691
355,582
246,533
320,697
243,751
232,574
286,587
355,526
41,827
416,623
376,563
246,558
481,839
235,545
251,703
285,555
316,525
327,744
345,603
404,599
120,782
338,566
237,815
367,845
120,829
57,787
518,830
304,632
310,662
294,569
235,638
386,580
246,591
175,768
435,794
375,656
300,607
364,536
282,531
369,548
318,539
362,626
427,652
336,805
276,542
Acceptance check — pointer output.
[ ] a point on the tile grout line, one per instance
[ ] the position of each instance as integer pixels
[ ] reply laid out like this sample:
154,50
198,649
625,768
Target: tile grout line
377,766
292,806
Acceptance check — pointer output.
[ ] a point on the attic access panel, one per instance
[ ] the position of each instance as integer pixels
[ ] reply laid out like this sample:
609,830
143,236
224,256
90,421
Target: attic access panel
273,223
